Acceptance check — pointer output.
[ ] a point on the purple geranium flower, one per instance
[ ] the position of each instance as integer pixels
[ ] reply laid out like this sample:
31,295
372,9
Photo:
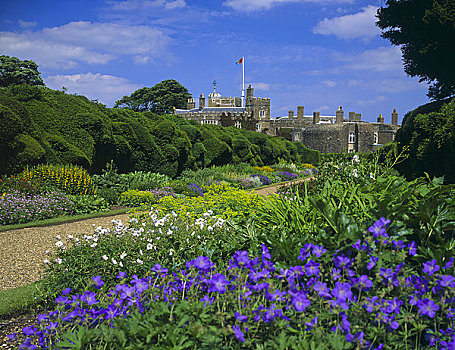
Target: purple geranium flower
238,333
430,267
218,283
98,282
300,301
241,318
427,307
27,345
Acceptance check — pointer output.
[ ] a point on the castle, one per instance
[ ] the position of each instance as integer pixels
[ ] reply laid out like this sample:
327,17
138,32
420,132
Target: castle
325,133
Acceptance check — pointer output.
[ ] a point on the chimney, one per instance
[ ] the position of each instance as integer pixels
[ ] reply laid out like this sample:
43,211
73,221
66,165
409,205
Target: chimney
300,112
190,104
339,115
381,119
394,117
201,101
357,117
351,116
316,117
291,114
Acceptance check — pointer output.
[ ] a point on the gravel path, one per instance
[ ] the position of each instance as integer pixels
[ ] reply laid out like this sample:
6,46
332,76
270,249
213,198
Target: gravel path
23,251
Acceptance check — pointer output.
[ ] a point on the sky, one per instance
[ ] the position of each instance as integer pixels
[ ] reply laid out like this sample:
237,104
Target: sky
319,54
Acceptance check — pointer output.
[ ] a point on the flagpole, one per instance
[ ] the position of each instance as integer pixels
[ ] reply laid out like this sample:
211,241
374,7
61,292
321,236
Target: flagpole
243,81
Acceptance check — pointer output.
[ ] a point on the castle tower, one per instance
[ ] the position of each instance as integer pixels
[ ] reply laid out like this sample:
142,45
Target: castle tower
381,119
191,104
340,115
249,91
201,101
316,117
300,113
291,114
394,117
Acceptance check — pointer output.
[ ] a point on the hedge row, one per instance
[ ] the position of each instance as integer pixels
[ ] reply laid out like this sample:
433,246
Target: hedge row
41,125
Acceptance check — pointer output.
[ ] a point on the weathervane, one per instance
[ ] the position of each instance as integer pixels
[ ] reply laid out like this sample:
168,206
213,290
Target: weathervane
214,85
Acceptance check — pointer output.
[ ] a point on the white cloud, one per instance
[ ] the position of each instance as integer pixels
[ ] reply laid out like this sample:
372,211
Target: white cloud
261,86
26,24
93,43
359,25
105,88
131,5
329,83
381,59
258,5
372,101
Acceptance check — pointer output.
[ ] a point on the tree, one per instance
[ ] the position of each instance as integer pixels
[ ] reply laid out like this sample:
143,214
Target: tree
160,99
15,72
425,30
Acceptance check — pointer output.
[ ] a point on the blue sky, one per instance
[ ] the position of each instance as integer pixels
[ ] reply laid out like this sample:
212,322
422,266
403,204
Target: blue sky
317,53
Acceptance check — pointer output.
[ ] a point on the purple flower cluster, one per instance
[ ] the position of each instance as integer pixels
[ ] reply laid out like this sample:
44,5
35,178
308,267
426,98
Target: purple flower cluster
264,179
196,189
18,207
287,176
353,293
159,193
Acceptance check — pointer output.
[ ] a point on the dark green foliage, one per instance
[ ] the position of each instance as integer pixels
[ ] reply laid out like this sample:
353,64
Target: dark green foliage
55,127
429,140
15,72
161,98
424,29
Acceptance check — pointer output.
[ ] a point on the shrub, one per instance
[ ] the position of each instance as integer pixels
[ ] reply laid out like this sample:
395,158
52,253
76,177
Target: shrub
85,204
70,179
135,198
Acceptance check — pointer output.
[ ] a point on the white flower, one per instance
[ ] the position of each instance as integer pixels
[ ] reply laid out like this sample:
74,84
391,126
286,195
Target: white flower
70,237
58,261
356,158
355,173
46,261
149,246
114,261
105,257
47,251
371,176
139,261
169,232
209,228
94,245
59,243
171,251
123,255
140,252
120,264
58,237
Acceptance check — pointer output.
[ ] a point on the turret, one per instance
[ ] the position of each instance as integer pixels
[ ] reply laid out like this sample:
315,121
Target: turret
340,115
316,117
249,91
191,104
291,114
300,112
381,119
201,101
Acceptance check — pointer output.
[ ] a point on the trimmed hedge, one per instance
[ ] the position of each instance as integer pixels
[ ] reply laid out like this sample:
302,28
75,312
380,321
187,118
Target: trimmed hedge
40,125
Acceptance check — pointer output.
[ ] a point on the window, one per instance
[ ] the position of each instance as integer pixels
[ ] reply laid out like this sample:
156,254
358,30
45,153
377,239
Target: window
375,138
238,124
261,114
258,126
351,137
